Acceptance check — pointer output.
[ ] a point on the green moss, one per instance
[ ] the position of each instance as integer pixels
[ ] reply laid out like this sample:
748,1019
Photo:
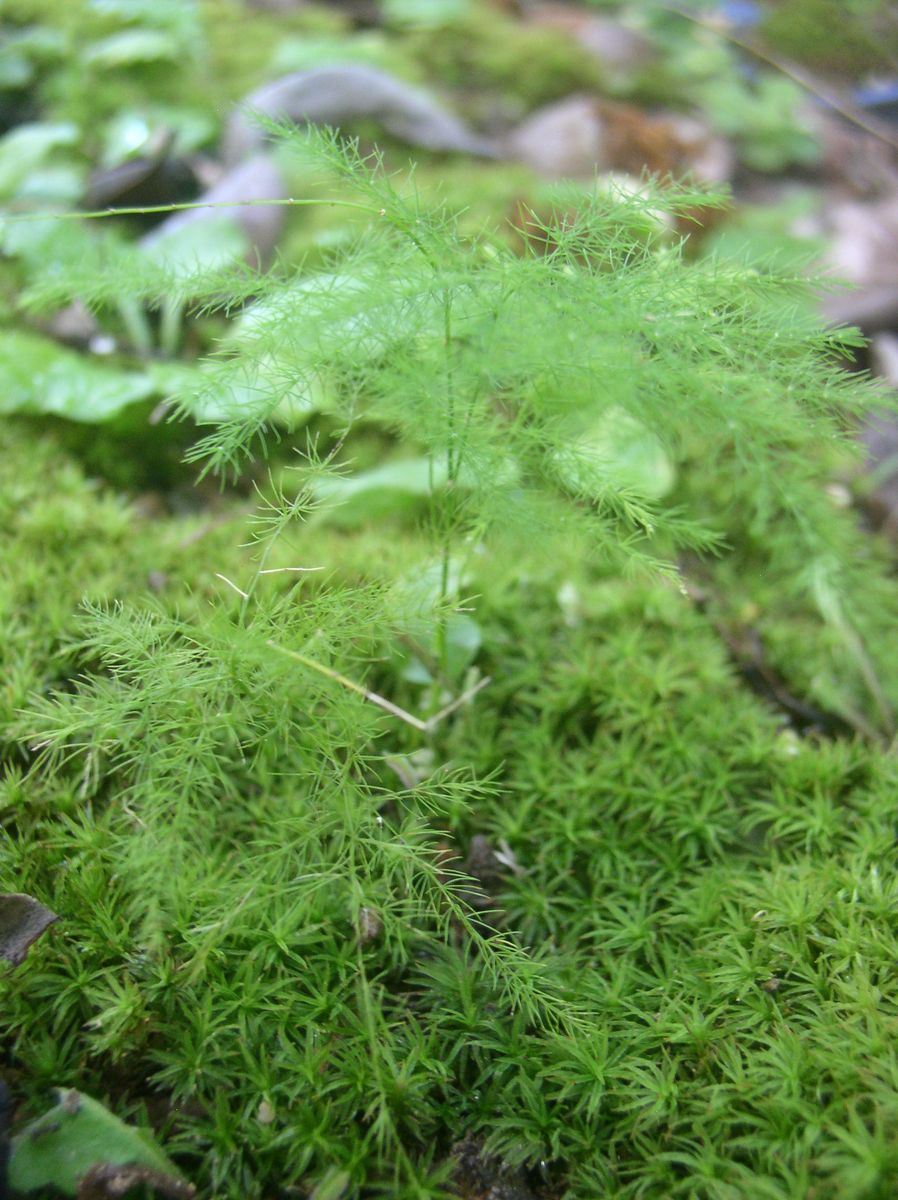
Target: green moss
67,539
717,896
241,45
848,37
488,52
682,979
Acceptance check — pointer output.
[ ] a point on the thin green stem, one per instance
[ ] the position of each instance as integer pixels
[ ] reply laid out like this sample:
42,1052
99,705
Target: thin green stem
260,570
850,112
137,325
381,1069
442,638
350,684
388,706
143,210
451,455
170,324
452,463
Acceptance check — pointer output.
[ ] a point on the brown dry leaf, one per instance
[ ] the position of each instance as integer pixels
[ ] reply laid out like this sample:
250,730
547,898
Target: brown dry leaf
22,921
581,135
109,1180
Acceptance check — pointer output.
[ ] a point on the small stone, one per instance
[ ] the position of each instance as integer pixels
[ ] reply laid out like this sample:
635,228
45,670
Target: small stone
566,139
368,925
839,494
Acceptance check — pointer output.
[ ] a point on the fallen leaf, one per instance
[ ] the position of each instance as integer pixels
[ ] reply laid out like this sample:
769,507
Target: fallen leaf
109,1180
22,921
80,1148
39,377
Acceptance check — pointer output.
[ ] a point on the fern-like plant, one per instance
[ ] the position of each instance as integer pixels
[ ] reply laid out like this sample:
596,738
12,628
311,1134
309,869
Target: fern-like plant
267,779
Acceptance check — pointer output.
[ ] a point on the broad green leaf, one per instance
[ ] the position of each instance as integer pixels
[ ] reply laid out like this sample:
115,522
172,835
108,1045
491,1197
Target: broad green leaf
45,240
413,476
124,136
212,397
25,48
39,43
297,396
134,131
463,641
199,245
617,451
60,184
390,487
37,376
353,315
333,1186
416,601
432,13
15,69
26,148
192,127
132,46
79,1136
305,53
179,18
418,593
384,491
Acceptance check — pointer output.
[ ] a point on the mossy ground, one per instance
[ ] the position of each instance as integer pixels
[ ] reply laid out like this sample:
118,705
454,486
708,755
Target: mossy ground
677,978
717,894
803,29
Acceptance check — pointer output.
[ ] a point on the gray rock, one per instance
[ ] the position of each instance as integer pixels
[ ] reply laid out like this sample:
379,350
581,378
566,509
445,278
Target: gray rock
337,94
256,179
563,140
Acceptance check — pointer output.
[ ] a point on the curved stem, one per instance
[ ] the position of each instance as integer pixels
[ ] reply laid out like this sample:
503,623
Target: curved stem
142,210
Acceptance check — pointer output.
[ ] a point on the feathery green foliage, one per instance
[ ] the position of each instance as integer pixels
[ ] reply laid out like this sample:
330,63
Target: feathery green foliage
680,981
